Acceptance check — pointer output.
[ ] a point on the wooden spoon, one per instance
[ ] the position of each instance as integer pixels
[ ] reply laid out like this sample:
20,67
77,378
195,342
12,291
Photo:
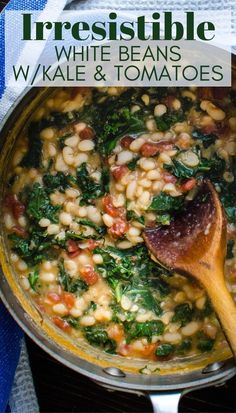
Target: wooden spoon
194,244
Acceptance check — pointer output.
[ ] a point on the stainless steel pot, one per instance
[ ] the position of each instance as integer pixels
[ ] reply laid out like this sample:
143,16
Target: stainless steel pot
113,372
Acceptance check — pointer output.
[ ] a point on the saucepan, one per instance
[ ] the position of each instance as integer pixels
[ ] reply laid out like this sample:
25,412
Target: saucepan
167,382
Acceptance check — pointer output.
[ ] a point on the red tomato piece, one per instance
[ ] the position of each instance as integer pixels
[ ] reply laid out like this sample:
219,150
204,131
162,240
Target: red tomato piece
168,178
119,172
92,244
87,133
62,324
109,207
89,275
126,141
54,297
220,92
19,231
168,101
68,299
204,93
119,228
188,185
17,207
18,210
152,149
73,248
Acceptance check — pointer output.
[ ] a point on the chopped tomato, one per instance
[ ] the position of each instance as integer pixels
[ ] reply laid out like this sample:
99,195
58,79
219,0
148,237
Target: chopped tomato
116,332
119,172
109,207
62,324
168,101
126,141
89,275
222,131
87,133
211,128
168,178
211,93
17,207
73,248
119,228
204,93
54,297
188,185
220,92
21,232
123,349
149,349
92,244
68,299
151,149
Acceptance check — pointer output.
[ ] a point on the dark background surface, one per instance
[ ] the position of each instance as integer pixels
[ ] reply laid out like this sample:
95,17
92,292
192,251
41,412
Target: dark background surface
60,389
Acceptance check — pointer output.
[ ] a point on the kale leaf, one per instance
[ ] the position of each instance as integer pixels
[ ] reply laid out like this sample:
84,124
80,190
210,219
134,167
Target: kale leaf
97,336
72,285
206,139
90,189
39,205
132,216
183,314
101,230
164,203
165,350
230,246
33,278
117,124
165,121
134,330
204,342
59,182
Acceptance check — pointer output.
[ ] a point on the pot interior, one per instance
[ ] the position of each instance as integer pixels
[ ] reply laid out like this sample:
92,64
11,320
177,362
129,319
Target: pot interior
79,355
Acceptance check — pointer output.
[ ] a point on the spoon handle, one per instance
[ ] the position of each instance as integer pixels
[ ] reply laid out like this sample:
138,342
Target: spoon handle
225,308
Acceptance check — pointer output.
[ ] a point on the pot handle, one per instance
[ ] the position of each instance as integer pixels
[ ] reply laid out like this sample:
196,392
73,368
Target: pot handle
165,402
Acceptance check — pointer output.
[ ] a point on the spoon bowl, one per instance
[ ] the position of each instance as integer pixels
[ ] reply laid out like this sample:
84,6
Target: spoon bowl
194,244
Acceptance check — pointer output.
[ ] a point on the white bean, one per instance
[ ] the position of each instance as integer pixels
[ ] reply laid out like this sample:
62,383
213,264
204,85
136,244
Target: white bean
125,303
65,218
87,320
47,133
174,338
108,220
72,141
119,200
84,259
136,144
147,164
131,189
80,158
97,259
47,276
159,110
232,123
86,145
60,309
60,164
53,229
124,157
44,222
190,329
94,214
154,175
